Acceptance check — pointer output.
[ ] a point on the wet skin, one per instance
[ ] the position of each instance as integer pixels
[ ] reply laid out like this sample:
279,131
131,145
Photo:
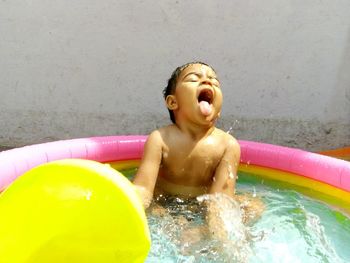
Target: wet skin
191,157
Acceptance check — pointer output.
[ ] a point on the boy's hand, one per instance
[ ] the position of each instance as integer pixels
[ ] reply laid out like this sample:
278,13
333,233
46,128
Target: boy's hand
145,195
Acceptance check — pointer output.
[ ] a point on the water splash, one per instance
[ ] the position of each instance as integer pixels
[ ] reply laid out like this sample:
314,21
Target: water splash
230,172
180,231
235,123
292,228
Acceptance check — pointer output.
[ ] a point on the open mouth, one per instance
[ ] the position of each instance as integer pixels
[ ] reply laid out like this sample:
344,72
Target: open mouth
206,95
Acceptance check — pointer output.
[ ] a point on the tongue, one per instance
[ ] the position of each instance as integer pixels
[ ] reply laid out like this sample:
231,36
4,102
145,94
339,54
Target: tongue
205,108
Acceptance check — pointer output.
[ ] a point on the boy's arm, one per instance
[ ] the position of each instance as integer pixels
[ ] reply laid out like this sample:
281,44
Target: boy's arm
146,176
224,182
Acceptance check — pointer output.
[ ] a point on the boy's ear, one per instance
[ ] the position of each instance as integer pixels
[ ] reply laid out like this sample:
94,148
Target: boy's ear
171,102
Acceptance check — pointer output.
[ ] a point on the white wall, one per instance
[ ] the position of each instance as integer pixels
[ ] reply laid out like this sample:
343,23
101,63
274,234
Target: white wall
82,68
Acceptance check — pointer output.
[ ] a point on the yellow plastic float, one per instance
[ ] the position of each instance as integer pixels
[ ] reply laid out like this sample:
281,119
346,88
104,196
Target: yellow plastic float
72,211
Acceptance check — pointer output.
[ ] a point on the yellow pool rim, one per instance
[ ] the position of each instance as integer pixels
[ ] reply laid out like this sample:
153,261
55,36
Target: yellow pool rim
315,189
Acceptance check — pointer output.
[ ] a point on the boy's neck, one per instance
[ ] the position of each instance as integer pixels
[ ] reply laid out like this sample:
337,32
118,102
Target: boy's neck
196,132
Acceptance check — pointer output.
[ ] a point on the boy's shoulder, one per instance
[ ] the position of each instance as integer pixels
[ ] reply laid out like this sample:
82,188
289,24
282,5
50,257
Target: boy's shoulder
225,135
227,138
161,133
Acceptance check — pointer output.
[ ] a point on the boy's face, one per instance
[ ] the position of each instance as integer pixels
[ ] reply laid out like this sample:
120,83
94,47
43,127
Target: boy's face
198,95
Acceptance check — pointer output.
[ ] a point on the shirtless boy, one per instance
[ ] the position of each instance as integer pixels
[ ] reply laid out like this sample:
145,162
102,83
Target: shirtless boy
191,157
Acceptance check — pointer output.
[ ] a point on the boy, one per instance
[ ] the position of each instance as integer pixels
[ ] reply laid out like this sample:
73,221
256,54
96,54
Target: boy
191,157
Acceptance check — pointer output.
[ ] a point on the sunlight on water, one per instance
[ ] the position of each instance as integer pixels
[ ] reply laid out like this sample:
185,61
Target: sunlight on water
292,228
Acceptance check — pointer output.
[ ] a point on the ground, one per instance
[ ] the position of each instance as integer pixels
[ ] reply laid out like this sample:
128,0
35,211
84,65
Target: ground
4,148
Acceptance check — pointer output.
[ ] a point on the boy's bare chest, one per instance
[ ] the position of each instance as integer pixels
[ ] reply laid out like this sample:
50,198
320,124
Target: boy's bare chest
194,151
191,161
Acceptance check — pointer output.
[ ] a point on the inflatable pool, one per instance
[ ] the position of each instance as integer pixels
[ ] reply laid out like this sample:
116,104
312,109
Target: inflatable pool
323,177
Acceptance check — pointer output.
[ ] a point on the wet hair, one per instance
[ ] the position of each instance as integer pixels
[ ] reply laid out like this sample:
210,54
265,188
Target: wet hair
170,88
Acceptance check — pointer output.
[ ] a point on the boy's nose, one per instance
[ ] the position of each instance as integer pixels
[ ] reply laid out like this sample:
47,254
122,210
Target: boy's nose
207,82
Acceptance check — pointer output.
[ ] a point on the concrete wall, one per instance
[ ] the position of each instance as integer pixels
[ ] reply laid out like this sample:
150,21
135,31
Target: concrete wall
82,68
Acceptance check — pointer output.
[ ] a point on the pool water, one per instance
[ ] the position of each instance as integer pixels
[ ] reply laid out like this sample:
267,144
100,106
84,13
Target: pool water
292,228
298,228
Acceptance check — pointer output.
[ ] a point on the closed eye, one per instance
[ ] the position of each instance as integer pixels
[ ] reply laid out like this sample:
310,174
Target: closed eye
192,78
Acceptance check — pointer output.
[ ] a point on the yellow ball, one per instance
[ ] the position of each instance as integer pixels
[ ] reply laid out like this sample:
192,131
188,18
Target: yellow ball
72,211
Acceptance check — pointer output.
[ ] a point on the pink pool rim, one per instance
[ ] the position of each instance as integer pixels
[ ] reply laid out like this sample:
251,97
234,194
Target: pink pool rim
327,170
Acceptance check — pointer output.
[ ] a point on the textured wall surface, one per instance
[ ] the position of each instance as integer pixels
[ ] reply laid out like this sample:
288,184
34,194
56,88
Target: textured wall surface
82,68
